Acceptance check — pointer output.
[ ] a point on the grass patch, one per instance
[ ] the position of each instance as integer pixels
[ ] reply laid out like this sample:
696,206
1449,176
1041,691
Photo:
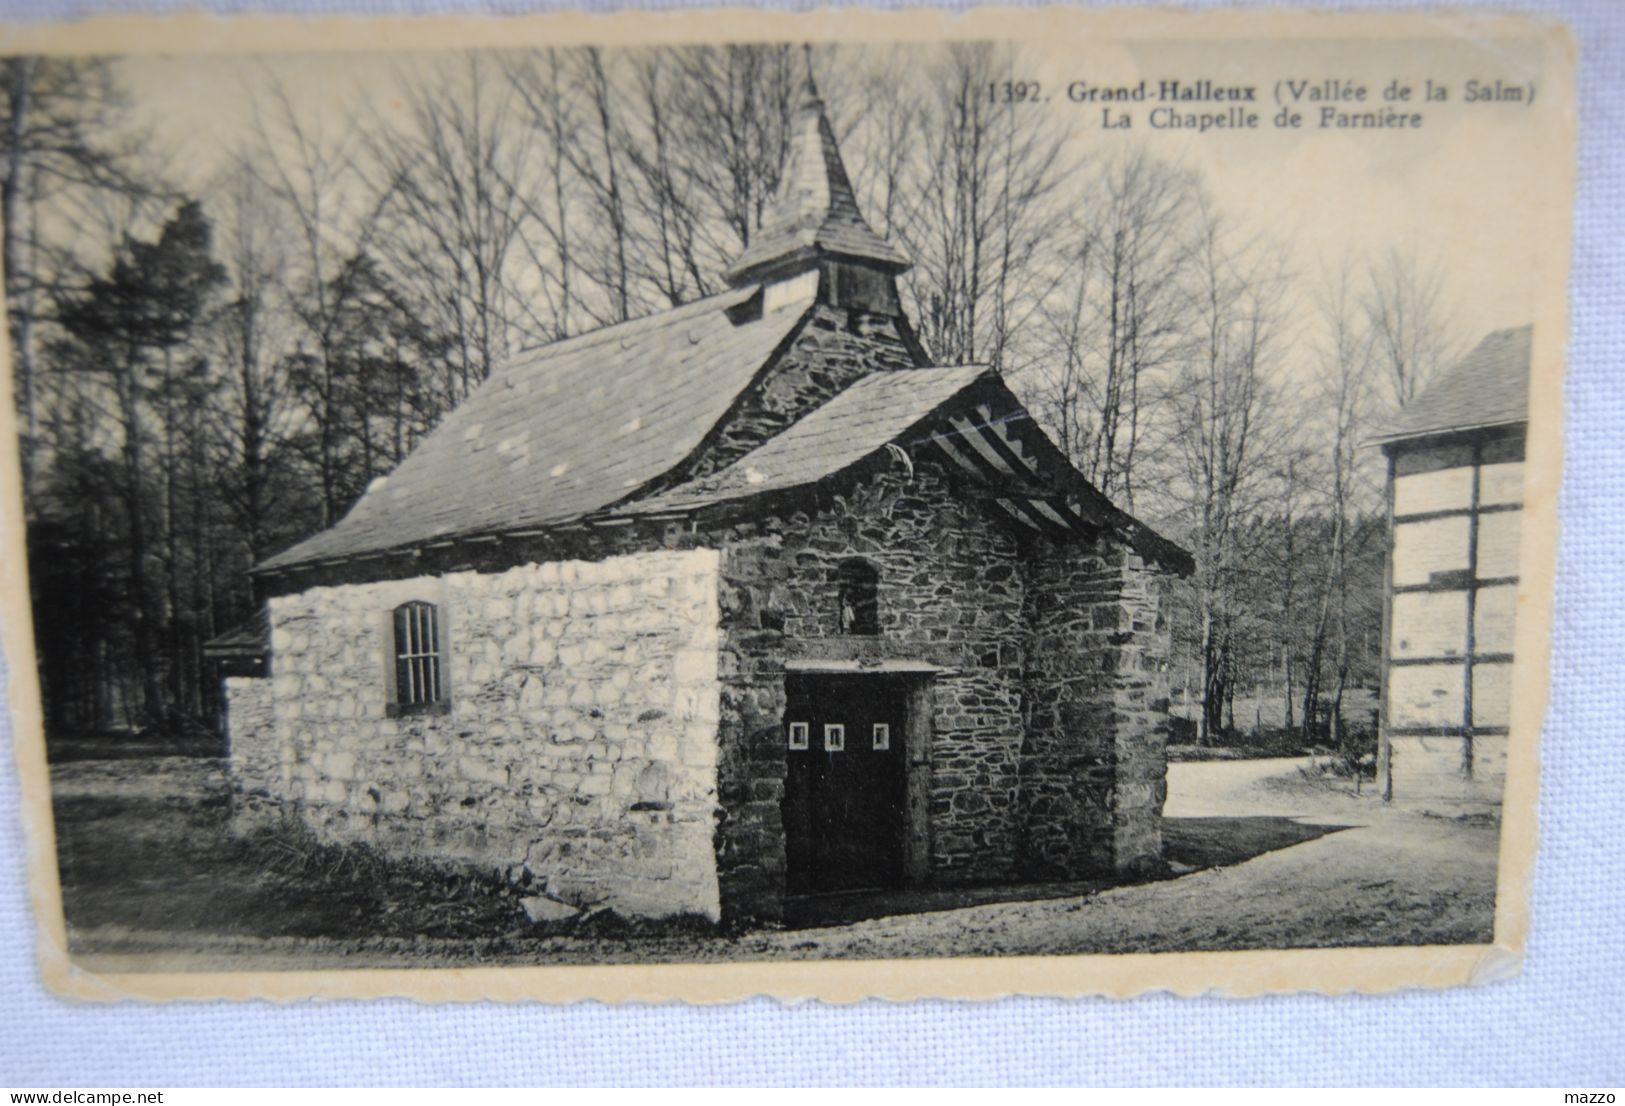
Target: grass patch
152,846
370,893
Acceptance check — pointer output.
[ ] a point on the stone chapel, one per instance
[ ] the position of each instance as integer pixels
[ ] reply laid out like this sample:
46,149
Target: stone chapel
744,600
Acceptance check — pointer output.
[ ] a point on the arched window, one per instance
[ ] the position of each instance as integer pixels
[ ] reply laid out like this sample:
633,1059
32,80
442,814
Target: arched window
418,682
858,590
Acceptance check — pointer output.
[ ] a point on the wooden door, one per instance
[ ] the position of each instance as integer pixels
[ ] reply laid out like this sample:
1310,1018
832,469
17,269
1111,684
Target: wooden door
845,803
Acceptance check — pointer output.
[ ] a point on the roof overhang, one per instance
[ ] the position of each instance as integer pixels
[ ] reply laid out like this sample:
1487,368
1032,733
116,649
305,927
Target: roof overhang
250,639
1387,441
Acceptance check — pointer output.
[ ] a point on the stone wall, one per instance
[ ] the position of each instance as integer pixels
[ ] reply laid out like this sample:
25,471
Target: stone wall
831,350
950,595
251,740
1094,764
1046,750
1140,655
578,755
1048,747
751,767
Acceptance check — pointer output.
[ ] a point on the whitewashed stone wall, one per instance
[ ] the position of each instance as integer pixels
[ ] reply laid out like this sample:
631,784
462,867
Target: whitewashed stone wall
256,759
579,752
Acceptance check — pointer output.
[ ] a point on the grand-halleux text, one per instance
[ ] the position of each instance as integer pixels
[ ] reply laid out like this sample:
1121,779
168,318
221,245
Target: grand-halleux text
1203,104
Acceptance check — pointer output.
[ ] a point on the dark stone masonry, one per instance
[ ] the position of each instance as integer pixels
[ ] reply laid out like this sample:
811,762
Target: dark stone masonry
831,350
1048,703
778,605
1096,703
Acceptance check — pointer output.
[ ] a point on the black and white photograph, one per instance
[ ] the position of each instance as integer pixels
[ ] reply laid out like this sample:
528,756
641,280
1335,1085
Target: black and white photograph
1022,489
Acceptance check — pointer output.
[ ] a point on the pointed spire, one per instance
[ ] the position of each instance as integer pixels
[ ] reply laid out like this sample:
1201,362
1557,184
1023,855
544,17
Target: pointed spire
815,211
809,87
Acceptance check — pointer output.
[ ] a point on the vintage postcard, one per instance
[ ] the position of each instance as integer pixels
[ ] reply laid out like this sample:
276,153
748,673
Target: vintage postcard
724,503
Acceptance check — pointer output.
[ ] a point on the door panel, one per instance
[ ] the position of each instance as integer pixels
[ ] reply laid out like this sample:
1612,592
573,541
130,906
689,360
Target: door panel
845,815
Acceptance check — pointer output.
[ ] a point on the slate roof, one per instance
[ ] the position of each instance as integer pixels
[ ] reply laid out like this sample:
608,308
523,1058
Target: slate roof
865,417
1488,387
246,639
564,430
815,210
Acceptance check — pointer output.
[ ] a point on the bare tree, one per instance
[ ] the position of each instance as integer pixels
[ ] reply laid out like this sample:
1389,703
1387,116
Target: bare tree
451,217
1223,440
1291,486
881,122
1117,318
598,161
315,173
671,254
251,336
1410,323
664,162
982,217
1346,381
541,80
1067,396
731,111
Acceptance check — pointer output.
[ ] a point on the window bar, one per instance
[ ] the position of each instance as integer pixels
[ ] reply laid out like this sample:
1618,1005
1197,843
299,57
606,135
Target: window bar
417,653
404,645
414,694
403,677
432,661
415,646
418,678
420,648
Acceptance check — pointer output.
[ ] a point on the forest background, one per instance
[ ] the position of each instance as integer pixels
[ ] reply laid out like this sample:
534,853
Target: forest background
215,355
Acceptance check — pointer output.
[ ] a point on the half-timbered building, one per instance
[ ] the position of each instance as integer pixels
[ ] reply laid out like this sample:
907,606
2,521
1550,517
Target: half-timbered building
1455,493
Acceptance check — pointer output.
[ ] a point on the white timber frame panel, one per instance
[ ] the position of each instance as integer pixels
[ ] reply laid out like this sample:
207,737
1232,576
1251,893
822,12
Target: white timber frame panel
1455,509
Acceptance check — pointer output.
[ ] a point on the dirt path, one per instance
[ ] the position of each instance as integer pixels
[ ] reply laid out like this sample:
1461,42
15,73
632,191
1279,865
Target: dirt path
1223,788
1236,788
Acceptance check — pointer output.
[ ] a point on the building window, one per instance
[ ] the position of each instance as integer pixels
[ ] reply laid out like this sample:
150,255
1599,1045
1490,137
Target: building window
859,593
882,734
798,735
418,683
834,738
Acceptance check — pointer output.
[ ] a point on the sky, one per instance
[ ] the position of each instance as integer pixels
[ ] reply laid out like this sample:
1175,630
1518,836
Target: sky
1463,190
1457,190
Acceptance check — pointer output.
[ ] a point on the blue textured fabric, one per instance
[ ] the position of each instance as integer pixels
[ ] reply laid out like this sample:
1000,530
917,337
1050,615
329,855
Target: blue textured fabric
1559,1023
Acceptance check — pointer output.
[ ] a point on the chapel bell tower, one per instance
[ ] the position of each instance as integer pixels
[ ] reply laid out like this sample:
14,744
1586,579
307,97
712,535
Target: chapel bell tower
813,230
